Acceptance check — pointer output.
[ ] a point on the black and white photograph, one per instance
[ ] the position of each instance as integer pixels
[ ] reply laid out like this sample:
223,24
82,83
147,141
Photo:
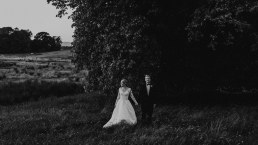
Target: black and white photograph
128,72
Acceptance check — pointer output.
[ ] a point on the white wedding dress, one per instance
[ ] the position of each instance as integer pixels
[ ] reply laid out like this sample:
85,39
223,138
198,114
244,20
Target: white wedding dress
123,110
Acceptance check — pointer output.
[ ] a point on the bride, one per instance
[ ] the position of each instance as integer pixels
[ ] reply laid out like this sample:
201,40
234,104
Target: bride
123,108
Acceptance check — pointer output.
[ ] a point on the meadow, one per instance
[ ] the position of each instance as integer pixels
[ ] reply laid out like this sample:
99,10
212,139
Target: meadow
78,119
42,101
25,77
49,66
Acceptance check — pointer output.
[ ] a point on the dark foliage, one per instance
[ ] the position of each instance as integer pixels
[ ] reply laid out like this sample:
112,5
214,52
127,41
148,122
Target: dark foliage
44,42
223,37
14,40
116,39
19,41
184,44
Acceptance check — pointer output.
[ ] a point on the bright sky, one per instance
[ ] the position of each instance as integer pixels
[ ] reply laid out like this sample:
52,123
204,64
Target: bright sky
35,15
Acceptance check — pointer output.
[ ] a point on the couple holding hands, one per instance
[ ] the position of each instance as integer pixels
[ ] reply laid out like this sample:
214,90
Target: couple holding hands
124,111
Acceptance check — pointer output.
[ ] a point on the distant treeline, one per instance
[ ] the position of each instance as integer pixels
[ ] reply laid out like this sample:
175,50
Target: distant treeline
19,41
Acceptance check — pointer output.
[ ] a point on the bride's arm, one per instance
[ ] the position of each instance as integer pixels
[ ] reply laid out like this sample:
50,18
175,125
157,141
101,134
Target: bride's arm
131,94
118,96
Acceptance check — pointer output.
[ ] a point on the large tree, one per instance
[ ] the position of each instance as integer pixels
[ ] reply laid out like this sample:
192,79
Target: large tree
19,41
14,40
224,34
127,38
44,42
112,40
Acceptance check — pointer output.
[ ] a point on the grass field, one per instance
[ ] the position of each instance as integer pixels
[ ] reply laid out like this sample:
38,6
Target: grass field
48,66
78,119
55,54
41,102
26,77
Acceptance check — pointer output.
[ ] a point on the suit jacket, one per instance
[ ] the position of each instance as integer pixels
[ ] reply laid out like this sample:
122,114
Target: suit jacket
146,99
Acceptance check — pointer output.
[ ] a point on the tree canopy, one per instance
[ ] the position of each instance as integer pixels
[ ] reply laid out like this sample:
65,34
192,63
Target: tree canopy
14,40
226,30
179,42
44,42
19,41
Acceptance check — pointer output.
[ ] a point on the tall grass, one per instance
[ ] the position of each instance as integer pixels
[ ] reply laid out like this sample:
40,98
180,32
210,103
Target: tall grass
210,97
17,92
79,119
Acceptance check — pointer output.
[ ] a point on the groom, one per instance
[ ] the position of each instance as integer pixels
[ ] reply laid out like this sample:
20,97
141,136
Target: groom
147,96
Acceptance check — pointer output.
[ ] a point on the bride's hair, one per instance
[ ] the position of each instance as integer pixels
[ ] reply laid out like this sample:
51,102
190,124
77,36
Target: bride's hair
125,81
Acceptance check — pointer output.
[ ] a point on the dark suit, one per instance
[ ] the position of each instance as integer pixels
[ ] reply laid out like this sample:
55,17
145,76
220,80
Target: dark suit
147,102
